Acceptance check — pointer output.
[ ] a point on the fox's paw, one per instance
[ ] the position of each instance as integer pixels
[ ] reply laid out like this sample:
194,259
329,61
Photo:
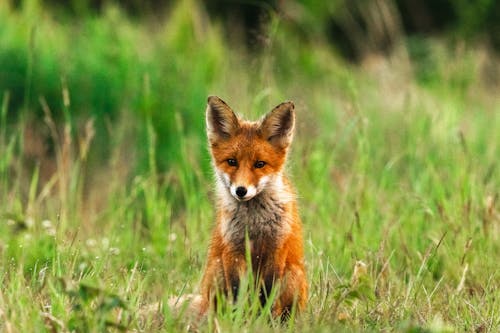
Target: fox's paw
191,304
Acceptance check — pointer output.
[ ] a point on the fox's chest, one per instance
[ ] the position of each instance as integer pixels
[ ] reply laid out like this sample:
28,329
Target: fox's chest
262,220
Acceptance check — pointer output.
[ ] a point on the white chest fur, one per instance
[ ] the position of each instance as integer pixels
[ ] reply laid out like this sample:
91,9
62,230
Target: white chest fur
264,218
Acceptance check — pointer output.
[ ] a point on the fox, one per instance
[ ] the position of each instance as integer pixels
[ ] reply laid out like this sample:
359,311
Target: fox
256,211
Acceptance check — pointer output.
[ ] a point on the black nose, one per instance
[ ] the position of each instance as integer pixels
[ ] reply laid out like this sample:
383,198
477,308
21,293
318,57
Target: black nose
241,191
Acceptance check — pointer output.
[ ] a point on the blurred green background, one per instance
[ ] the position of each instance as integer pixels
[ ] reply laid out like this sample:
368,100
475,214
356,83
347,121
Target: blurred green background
106,191
160,59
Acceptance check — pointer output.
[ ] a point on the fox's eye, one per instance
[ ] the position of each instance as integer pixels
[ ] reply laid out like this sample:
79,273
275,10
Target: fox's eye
232,162
259,164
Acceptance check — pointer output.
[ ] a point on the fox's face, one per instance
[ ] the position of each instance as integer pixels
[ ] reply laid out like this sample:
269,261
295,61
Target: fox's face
248,156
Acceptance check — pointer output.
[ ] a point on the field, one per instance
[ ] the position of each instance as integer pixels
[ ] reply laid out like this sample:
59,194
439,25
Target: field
106,189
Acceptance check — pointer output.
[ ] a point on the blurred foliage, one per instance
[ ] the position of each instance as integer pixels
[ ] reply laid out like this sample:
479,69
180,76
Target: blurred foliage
105,70
338,20
89,59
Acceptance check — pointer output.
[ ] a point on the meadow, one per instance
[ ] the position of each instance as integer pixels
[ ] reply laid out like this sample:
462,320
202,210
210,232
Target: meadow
106,188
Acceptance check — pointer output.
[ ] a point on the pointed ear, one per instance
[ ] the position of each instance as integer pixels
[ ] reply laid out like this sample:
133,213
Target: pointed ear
222,123
278,125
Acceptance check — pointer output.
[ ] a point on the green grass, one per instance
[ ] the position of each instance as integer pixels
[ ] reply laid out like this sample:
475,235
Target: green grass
395,166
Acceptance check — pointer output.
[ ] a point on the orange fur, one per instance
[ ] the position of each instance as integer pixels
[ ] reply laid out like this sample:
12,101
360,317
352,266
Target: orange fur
267,212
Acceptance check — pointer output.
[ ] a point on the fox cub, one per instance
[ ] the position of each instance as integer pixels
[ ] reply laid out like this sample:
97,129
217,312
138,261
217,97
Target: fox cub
256,209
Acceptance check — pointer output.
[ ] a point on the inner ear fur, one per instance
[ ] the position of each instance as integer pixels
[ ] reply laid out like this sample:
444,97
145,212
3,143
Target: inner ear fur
222,123
278,125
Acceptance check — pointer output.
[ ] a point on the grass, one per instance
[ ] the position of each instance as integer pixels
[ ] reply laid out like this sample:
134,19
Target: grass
396,167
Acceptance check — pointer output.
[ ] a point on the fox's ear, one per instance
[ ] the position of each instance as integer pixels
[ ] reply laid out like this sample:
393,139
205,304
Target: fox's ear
277,126
222,123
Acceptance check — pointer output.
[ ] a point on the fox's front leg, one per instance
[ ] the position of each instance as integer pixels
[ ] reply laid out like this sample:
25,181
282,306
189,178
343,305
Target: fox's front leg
292,292
213,280
234,268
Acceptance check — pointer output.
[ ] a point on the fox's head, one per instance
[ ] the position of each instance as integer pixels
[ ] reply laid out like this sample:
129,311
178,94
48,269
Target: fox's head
248,156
